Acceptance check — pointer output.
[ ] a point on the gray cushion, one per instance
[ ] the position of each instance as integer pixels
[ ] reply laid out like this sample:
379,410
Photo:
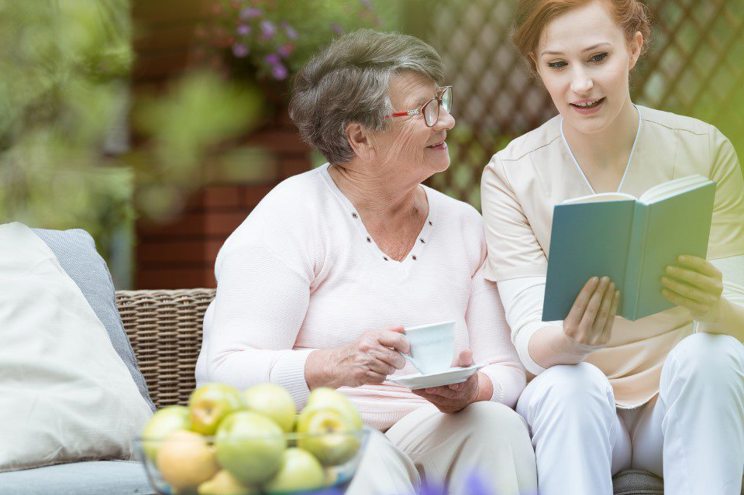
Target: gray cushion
637,482
79,478
76,252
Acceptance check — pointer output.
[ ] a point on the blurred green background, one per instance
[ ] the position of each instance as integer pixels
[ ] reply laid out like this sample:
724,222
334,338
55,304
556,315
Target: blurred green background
114,113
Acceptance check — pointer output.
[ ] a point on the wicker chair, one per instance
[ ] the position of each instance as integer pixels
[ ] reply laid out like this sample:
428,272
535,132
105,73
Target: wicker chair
165,329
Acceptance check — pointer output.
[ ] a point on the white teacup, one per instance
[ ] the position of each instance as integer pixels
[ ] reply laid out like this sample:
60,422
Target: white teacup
432,346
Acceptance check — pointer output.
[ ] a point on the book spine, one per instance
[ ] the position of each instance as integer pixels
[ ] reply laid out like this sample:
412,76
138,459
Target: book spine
634,267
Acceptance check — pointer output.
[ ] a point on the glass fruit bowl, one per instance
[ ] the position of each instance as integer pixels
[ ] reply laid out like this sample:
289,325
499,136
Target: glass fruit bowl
186,462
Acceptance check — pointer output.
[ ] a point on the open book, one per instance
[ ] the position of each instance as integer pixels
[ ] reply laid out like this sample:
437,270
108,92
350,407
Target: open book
631,241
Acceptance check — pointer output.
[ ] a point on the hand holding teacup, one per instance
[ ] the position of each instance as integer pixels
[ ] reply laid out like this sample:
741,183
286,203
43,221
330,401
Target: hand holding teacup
455,397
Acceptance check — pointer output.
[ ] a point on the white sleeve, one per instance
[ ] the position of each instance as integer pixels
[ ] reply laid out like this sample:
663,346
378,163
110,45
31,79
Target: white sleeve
523,303
732,269
255,318
490,342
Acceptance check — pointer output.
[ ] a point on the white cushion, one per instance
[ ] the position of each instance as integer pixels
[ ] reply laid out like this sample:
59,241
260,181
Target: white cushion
65,394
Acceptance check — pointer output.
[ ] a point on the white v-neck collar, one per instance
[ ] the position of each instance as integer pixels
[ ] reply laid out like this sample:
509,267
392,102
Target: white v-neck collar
422,239
627,165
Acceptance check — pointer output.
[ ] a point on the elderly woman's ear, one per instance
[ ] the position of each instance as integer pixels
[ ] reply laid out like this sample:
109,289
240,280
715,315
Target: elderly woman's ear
358,137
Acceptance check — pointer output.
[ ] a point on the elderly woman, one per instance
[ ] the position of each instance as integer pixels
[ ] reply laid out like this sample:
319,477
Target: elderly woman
317,284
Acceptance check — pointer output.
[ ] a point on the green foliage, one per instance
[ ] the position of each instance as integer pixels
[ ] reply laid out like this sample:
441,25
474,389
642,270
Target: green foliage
55,57
197,115
64,94
272,39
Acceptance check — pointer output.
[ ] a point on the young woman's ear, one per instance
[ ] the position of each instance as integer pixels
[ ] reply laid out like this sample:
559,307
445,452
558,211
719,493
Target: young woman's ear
359,140
635,46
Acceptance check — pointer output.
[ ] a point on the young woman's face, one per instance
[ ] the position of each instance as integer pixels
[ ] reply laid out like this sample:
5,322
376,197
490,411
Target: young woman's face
584,60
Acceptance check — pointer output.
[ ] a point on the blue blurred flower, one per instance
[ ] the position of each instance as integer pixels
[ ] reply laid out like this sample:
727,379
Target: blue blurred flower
290,31
267,29
244,30
279,72
250,13
240,50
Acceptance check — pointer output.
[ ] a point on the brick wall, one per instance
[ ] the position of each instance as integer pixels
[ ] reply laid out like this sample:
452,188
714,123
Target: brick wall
181,253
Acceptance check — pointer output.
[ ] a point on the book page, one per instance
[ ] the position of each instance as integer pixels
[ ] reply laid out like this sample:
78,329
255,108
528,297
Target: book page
672,188
598,198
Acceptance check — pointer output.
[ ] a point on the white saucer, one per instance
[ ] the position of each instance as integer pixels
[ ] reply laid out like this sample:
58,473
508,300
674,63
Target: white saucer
446,377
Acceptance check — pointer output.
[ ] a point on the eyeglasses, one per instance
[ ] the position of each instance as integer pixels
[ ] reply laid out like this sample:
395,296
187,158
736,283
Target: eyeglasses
430,109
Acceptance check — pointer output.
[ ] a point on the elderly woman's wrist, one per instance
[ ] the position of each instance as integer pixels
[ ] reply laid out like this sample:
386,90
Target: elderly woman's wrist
316,370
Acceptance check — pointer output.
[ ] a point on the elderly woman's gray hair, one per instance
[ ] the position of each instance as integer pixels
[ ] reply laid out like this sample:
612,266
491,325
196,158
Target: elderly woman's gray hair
348,82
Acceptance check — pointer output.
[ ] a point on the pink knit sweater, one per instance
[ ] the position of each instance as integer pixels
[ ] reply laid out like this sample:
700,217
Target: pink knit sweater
302,273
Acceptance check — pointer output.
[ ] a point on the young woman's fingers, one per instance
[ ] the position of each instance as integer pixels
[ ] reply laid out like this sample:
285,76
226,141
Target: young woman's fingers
607,330
688,291
699,264
582,300
696,279
603,314
592,309
679,300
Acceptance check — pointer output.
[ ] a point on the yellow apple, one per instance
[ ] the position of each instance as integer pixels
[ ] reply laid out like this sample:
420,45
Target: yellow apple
327,434
299,471
273,401
185,459
210,403
224,483
250,446
164,422
328,397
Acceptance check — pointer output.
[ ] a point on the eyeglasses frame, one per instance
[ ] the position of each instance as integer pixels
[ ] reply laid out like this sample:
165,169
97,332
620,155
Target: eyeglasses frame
420,110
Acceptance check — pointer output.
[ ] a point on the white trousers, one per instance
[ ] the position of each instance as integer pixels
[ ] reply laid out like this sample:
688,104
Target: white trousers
692,433
486,443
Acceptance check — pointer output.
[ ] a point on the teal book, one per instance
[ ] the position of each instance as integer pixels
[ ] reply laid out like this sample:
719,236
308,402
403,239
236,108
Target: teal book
629,240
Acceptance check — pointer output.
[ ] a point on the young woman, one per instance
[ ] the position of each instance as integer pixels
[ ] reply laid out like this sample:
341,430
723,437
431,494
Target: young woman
664,393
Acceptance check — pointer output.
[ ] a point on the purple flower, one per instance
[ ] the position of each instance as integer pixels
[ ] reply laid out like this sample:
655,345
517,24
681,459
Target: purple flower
285,50
244,30
336,28
432,489
290,31
239,50
250,13
267,29
476,485
272,59
279,72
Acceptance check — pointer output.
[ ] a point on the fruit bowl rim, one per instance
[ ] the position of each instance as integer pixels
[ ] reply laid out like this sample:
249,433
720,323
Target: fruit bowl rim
291,435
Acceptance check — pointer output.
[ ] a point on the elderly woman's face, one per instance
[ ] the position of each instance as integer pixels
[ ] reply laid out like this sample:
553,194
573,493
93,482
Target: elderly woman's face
408,144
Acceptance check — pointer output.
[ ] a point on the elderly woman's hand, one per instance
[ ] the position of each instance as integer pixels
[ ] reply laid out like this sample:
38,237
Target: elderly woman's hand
455,397
368,360
695,284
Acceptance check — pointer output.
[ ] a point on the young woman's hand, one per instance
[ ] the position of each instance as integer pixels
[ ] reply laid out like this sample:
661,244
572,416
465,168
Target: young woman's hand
369,359
695,284
593,312
455,397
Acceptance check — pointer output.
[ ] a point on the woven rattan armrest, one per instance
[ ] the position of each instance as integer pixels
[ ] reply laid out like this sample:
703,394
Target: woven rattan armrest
165,329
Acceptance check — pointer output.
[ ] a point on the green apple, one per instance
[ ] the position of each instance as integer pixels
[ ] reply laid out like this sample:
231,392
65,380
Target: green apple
250,446
210,403
185,459
224,483
328,397
274,402
299,471
327,434
164,422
